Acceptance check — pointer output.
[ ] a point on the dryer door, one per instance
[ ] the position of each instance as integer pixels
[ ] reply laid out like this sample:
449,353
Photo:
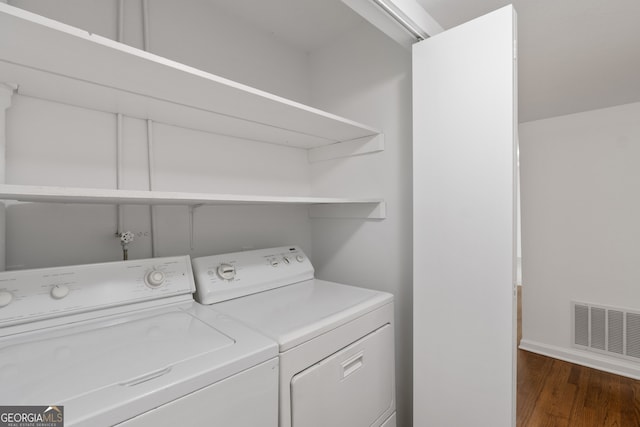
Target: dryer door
351,388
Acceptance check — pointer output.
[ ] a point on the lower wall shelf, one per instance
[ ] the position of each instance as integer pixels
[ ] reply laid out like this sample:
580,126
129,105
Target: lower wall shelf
329,207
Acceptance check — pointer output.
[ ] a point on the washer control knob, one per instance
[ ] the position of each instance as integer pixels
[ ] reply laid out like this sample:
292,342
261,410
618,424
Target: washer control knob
299,258
226,271
5,298
286,260
59,291
154,278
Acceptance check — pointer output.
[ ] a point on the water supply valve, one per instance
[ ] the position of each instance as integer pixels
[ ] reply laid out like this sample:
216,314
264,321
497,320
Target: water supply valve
126,238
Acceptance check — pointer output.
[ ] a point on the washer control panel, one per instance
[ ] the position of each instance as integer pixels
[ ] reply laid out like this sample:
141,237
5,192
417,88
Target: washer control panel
29,295
227,276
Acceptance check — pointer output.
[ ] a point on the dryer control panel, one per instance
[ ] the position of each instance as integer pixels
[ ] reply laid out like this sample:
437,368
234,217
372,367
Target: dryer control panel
30,295
228,276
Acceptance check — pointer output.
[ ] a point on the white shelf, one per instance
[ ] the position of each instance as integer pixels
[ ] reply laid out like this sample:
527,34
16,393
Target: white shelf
331,207
50,60
54,61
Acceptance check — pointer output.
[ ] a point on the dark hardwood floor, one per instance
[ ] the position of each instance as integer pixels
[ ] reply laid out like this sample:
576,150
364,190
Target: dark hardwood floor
553,393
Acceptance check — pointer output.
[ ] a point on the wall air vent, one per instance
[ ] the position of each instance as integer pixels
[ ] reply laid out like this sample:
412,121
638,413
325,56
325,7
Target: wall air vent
608,330
633,335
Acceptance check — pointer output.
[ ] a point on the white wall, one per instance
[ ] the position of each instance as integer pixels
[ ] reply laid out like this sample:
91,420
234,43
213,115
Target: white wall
367,77
55,144
580,221
196,33
199,34
363,76
96,16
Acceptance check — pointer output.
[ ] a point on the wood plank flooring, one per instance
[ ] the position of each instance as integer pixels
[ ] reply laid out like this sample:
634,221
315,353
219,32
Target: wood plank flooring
553,393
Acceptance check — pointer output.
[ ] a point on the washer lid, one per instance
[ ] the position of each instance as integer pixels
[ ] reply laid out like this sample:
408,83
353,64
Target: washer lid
297,313
112,369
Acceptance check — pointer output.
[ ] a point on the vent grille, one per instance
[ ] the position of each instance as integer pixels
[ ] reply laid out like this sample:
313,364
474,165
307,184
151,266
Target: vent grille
581,325
610,330
615,343
598,328
633,334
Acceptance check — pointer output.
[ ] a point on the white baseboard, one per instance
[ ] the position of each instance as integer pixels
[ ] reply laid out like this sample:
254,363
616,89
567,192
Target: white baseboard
591,360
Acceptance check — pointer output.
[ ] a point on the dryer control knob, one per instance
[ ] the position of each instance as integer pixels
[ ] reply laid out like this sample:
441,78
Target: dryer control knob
59,291
154,278
299,258
5,298
226,271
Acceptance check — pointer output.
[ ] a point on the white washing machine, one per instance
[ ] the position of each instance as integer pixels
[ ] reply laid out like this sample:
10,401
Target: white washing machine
124,343
336,341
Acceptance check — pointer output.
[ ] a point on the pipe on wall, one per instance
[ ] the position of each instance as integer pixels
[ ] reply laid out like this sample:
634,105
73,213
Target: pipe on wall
150,156
151,169
145,25
6,92
119,132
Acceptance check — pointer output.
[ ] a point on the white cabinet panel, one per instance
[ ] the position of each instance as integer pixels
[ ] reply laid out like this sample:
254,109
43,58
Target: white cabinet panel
464,223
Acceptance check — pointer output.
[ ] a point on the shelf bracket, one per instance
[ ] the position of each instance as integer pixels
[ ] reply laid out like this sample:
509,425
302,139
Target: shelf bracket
354,147
374,210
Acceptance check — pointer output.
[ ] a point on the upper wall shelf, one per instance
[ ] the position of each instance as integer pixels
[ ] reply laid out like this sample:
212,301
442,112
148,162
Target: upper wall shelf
47,194
51,60
332,207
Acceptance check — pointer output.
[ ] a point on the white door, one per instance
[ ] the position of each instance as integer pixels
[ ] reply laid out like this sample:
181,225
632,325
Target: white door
465,124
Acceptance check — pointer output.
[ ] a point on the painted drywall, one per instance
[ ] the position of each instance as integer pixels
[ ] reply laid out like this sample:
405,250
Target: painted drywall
194,32
367,77
54,144
96,16
580,231
206,37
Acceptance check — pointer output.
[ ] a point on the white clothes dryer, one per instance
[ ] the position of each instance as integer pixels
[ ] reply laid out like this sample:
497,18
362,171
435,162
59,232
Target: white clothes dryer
336,341
124,344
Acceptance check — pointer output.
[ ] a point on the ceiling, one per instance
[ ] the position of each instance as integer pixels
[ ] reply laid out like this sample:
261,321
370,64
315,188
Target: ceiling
303,24
575,55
